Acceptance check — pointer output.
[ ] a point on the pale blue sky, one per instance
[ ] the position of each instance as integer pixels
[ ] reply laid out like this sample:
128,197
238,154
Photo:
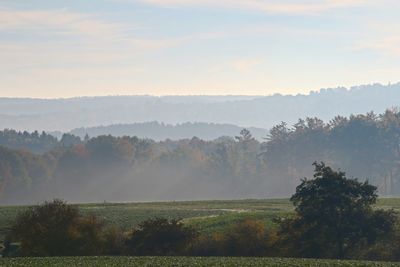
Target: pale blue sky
162,47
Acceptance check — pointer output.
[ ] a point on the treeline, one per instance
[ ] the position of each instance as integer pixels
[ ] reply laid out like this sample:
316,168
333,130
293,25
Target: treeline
35,142
364,145
333,219
107,168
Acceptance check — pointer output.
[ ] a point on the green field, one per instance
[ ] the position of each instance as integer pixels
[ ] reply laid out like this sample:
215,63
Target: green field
207,216
180,261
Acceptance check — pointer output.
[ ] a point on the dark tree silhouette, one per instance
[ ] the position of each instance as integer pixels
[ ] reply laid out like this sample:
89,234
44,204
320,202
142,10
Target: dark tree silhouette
334,215
57,229
161,237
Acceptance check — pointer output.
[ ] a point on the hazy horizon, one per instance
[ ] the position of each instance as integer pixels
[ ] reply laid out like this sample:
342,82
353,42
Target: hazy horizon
245,111
248,96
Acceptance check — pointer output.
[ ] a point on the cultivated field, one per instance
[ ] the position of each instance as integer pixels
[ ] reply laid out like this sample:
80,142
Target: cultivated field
181,261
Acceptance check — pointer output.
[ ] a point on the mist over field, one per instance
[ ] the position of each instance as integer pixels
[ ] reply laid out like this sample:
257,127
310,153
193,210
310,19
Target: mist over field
154,161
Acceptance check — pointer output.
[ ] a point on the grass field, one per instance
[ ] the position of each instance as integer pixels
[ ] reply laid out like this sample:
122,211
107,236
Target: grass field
181,261
207,216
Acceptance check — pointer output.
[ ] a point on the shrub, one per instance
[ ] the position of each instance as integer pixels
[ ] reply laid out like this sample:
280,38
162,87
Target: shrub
87,236
57,229
207,245
247,238
161,237
114,241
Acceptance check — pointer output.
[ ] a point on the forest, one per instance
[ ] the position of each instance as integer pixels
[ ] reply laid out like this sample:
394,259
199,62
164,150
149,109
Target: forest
36,166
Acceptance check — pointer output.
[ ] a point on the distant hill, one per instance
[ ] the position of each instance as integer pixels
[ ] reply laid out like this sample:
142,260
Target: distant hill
160,131
256,111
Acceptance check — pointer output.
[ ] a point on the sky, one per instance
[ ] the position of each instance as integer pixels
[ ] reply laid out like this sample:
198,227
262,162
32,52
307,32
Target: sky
57,48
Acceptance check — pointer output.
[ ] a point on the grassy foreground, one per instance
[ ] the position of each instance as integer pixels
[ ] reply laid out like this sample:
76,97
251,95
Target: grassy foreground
181,261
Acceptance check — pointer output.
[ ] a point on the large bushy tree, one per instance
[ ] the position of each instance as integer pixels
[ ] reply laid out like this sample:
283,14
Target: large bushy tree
334,215
57,229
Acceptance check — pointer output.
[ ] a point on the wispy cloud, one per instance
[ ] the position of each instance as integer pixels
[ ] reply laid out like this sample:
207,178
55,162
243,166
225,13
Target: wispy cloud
61,22
298,7
67,48
85,39
100,32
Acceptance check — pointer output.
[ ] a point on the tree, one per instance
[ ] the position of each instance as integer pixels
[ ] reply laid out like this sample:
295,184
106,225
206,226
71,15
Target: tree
245,136
70,140
334,215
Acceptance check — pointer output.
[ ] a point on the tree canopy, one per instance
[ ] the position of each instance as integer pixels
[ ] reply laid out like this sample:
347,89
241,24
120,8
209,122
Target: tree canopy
56,229
335,215
117,168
